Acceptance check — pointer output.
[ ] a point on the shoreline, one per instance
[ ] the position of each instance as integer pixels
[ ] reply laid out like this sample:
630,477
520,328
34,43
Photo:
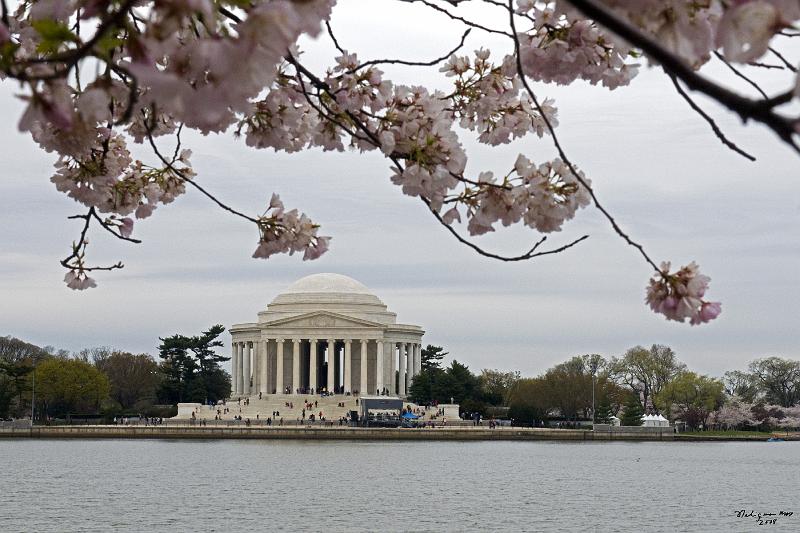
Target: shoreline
351,433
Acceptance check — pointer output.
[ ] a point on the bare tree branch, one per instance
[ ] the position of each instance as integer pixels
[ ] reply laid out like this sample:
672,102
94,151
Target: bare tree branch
714,127
416,63
783,59
739,74
766,65
333,38
456,17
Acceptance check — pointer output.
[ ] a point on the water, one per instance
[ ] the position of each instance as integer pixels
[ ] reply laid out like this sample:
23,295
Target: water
253,486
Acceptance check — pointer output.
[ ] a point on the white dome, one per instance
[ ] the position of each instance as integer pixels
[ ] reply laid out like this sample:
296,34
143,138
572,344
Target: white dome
327,283
331,292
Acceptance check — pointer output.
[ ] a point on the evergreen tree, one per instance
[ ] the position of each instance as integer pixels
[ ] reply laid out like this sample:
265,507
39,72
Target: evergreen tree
191,368
603,414
632,415
431,356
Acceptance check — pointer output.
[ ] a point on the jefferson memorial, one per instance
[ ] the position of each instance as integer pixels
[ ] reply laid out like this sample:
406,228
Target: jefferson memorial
325,333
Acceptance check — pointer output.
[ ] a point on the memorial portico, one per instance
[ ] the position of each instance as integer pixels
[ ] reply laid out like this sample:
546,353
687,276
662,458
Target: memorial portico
326,332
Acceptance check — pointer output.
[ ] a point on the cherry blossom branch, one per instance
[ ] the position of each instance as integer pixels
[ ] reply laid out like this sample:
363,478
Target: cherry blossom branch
714,127
530,254
178,172
415,63
108,227
72,57
76,275
321,85
746,108
327,112
372,138
133,93
560,149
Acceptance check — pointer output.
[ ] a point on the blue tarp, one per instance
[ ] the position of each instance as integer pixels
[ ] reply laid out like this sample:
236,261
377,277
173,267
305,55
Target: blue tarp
409,416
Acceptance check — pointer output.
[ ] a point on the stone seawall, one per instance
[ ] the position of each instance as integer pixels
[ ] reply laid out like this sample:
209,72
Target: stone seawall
326,433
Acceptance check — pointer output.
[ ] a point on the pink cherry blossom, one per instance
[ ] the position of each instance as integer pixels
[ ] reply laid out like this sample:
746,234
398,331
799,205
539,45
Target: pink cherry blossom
746,29
678,296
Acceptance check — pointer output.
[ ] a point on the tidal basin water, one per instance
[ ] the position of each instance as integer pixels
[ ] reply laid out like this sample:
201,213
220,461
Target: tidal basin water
162,485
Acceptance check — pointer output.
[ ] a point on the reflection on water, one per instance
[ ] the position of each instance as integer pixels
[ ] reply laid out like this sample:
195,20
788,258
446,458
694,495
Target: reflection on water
159,485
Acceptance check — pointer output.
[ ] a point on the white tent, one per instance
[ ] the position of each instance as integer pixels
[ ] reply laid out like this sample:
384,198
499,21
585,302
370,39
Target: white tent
654,421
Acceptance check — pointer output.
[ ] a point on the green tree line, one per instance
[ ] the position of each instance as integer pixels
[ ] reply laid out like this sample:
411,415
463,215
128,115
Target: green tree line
110,381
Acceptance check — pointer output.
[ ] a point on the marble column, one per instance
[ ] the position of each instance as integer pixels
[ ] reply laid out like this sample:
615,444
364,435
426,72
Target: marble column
255,367
295,365
348,365
410,369
263,361
412,361
393,368
239,368
331,364
417,359
246,368
362,383
401,371
379,366
312,366
279,369
388,368
234,369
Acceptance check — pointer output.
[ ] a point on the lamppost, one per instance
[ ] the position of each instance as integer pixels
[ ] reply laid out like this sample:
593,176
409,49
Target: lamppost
594,361
593,417
33,397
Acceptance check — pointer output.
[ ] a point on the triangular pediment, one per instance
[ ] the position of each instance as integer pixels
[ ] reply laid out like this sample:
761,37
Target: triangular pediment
322,320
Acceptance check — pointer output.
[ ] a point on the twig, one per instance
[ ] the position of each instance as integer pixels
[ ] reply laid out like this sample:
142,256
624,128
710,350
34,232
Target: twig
739,74
109,229
228,13
783,59
81,244
415,63
714,127
333,38
766,65
530,254
178,172
456,17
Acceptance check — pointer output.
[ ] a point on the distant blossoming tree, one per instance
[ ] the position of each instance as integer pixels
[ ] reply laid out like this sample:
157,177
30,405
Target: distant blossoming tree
98,75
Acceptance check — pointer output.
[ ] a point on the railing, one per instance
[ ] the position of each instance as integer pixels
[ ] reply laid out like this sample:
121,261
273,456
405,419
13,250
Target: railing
15,424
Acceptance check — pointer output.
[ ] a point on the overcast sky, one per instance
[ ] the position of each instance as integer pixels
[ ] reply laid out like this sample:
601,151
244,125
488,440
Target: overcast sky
655,164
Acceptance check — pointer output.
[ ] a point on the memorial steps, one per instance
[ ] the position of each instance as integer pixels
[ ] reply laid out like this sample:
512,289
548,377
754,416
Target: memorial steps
277,402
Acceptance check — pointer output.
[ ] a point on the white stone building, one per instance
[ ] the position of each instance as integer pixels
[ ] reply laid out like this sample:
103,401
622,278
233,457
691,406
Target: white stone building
326,332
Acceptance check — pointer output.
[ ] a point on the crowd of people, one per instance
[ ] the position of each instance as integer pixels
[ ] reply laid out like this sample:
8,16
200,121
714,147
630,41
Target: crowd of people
138,420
